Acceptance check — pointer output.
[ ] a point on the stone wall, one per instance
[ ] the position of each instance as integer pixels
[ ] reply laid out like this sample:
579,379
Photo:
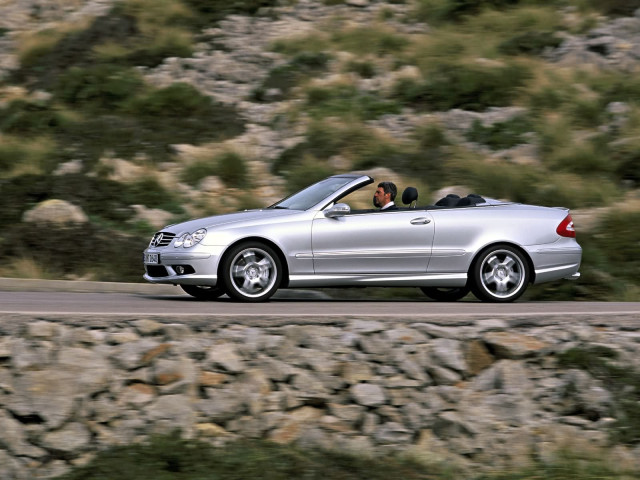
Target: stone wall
478,391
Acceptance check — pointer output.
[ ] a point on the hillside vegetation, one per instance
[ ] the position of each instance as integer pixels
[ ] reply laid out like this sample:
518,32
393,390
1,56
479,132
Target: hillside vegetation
154,111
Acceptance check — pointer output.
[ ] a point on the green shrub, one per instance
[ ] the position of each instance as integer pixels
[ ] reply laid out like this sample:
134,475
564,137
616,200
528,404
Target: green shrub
324,140
615,7
439,11
193,173
302,44
625,155
501,135
99,198
178,100
347,101
285,77
469,87
20,156
620,239
529,43
369,40
30,118
365,69
379,153
212,11
308,171
104,87
137,41
232,170
105,254
170,458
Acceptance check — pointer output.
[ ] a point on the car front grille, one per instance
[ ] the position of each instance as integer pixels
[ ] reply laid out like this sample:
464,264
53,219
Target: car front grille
162,239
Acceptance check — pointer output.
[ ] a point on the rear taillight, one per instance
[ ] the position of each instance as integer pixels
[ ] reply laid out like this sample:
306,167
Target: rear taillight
566,228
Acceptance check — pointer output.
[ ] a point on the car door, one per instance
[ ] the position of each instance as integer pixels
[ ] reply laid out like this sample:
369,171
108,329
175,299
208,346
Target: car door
394,242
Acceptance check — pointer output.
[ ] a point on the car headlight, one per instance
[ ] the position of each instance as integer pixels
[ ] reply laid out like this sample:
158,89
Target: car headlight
188,240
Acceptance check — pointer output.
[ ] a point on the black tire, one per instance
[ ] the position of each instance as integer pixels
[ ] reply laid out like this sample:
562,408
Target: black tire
203,292
500,274
445,294
251,272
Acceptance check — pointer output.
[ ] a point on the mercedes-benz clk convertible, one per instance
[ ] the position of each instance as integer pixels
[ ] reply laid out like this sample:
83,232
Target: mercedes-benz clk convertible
314,239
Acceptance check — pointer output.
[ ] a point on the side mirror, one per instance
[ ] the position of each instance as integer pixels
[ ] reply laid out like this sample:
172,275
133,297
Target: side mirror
338,210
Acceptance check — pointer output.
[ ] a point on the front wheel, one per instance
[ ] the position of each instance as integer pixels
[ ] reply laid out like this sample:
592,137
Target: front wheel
202,292
445,294
251,272
500,274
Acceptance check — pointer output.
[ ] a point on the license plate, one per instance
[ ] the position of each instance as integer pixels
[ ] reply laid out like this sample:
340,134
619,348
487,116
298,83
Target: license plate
152,258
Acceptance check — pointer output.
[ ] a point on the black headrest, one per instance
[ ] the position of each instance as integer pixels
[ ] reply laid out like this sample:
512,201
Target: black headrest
409,195
448,201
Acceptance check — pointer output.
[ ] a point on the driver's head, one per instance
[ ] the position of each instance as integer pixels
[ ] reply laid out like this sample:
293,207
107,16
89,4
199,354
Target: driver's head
385,193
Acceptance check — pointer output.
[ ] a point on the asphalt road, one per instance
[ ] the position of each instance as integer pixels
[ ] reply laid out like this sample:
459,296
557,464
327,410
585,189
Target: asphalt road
105,299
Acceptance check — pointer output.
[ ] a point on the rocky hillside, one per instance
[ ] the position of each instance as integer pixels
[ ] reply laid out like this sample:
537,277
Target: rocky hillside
135,114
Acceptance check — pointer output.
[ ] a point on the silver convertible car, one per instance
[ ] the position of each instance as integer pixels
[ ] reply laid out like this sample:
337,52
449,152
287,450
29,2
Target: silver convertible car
313,238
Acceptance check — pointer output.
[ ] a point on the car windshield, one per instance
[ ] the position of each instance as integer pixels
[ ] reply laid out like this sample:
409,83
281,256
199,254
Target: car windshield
310,196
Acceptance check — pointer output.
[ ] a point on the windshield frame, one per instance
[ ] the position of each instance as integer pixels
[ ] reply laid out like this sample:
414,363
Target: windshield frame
323,193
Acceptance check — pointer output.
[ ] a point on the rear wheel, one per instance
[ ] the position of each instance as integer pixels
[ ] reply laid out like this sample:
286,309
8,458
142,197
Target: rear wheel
445,294
203,292
500,274
251,272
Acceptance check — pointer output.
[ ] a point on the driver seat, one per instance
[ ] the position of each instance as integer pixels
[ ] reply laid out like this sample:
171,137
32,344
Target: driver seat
410,196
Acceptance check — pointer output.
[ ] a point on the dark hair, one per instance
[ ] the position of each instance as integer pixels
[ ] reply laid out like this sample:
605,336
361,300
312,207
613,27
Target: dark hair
389,187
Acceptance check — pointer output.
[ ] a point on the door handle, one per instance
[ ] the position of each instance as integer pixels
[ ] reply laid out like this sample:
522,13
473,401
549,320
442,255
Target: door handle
420,221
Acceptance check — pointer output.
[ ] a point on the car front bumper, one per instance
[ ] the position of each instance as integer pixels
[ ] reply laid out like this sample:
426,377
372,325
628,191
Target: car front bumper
180,267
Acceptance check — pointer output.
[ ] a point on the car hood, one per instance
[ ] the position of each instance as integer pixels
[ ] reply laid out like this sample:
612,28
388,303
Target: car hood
247,216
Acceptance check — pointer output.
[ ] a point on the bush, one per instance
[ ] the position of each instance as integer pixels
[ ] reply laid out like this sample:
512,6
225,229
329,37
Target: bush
364,69
19,156
286,77
530,43
179,100
232,170
369,40
625,155
104,254
43,66
99,198
501,135
30,118
211,11
347,101
620,241
308,171
616,7
123,36
193,173
169,458
439,11
469,87
103,87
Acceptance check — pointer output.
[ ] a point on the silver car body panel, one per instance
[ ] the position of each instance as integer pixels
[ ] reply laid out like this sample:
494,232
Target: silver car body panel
423,246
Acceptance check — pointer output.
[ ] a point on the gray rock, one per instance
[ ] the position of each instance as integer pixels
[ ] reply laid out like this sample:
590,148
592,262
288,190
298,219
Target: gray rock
368,394
46,394
14,439
392,433
69,440
448,353
225,356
